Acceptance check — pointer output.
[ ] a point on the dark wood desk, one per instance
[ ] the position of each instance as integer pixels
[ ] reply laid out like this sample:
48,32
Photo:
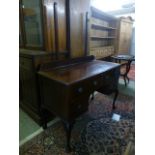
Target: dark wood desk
127,59
66,87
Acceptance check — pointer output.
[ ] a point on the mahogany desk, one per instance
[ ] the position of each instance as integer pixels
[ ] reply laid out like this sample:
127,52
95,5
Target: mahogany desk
65,87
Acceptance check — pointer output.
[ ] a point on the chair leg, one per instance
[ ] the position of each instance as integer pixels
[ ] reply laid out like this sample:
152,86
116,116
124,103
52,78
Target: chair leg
125,80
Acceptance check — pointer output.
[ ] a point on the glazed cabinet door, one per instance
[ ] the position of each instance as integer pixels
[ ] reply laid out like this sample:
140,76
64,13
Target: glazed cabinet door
20,36
31,19
55,25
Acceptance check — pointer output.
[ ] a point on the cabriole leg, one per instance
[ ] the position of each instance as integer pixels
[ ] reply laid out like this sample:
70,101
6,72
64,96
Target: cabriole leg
115,97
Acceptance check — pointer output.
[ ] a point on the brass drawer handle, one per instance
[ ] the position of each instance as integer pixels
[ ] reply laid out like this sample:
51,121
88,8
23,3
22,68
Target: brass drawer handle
80,90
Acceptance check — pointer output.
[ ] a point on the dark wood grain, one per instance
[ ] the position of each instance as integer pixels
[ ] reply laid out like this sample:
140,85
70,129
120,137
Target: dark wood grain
65,86
77,72
78,11
55,25
29,63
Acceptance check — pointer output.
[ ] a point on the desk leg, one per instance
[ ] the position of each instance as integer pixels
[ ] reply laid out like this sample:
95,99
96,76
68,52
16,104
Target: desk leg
92,97
68,128
44,119
114,100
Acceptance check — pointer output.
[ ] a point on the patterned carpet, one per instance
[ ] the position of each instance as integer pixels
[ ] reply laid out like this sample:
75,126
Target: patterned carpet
94,133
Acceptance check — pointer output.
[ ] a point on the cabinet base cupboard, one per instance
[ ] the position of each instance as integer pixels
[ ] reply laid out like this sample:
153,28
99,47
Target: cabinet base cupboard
29,62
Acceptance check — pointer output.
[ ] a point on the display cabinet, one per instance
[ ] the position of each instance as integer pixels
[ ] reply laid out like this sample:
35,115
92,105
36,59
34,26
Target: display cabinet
31,24
29,62
54,25
102,34
124,36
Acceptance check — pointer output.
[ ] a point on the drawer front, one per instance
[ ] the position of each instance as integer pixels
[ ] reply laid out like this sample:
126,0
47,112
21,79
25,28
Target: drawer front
86,87
80,89
25,63
110,81
109,76
79,106
96,82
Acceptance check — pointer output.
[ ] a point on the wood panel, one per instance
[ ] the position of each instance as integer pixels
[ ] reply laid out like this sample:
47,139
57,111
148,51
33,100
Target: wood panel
55,21
29,85
102,34
78,9
49,25
29,90
124,35
61,25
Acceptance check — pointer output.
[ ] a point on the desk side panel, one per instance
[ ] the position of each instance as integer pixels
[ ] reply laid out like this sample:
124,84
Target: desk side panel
54,96
110,81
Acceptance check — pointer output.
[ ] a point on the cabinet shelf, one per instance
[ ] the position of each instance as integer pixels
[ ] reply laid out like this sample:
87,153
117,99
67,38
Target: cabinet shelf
100,37
100,26
102,34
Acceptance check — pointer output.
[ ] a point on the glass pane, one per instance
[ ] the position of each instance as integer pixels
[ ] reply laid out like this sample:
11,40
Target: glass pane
20,37
32,22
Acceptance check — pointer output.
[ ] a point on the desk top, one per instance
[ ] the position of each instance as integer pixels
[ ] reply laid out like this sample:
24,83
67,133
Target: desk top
123,57
73,73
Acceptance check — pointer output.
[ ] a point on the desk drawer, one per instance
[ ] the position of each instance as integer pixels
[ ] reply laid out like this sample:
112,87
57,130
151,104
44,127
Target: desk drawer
96,82
79,106
80,89
110,81
86,86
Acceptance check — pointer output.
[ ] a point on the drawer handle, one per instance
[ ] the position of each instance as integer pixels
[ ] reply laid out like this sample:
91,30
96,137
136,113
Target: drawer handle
80,90
95,83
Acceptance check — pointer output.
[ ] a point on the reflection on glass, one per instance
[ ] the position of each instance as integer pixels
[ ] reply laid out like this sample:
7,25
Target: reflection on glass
20,37
32,23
